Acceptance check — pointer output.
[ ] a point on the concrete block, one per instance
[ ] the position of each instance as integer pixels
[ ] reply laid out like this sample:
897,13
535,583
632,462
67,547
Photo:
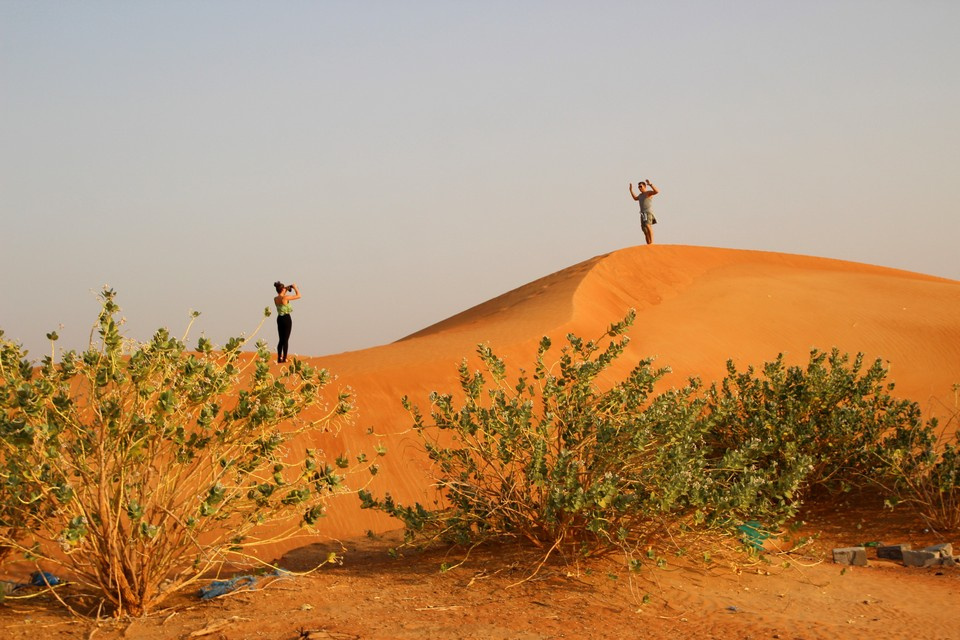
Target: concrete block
944,549
854,556
892,551
920,558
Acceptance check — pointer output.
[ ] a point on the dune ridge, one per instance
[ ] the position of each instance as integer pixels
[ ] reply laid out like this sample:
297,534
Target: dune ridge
552,296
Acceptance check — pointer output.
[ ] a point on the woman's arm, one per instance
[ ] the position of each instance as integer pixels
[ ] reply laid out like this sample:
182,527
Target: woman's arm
296,293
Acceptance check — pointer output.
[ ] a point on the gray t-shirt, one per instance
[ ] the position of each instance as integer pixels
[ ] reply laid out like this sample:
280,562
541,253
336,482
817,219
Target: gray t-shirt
646,209
645,206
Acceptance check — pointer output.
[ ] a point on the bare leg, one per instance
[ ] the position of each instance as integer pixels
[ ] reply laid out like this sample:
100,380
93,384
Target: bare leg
647,233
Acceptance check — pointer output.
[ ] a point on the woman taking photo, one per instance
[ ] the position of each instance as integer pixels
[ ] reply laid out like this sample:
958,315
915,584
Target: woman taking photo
284,321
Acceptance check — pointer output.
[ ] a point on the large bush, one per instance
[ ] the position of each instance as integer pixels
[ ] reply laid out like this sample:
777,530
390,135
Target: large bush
557,459
816,427
140,470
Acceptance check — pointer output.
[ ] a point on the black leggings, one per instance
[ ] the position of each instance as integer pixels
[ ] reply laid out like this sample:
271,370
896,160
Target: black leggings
284,326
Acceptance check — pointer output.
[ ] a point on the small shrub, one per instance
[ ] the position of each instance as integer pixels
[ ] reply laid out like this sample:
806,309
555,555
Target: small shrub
141,472
812,428
919,466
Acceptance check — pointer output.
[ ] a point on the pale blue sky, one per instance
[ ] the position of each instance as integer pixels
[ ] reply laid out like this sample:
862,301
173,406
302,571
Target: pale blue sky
403,161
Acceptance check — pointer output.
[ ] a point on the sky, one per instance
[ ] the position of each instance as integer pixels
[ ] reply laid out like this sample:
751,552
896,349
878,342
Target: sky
404,161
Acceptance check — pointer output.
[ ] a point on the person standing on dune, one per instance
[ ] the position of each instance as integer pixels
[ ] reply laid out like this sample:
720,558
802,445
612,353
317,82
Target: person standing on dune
647,219
284,321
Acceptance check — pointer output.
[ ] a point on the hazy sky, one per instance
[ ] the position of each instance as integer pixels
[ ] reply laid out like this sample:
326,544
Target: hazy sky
404,161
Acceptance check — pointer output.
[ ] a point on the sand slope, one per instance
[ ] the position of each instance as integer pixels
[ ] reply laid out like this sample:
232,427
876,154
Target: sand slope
696,307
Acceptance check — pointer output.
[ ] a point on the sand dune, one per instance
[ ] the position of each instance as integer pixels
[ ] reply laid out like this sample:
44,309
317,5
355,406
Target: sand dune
696,308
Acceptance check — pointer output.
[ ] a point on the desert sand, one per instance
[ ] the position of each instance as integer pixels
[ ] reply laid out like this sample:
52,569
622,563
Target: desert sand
696,308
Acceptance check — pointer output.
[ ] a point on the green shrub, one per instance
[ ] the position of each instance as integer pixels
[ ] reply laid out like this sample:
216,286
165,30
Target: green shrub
554,460
919,466
813,428
140,472
557,461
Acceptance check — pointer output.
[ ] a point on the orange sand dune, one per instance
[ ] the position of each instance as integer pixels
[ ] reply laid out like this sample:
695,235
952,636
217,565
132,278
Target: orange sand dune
696,308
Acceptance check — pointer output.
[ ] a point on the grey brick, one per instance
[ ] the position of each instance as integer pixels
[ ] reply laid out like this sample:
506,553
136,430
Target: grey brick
920,558
892,551
944,549
855,556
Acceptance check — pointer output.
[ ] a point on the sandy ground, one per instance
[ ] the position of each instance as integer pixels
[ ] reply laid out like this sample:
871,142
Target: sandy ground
795,595
696,307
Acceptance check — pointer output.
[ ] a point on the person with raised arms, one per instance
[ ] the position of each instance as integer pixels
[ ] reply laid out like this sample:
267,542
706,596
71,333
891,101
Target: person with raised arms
647,219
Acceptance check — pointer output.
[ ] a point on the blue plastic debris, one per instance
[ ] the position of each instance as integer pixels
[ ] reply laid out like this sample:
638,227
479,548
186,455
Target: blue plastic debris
43,579
222,587
753,534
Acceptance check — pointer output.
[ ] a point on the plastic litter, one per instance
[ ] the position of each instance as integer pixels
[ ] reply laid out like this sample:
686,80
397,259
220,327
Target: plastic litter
222,587
43,579
753,534
37,579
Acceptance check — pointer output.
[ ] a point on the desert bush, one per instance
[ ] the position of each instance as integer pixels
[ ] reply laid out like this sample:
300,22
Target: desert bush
139,472
919,468
804,429
557,461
